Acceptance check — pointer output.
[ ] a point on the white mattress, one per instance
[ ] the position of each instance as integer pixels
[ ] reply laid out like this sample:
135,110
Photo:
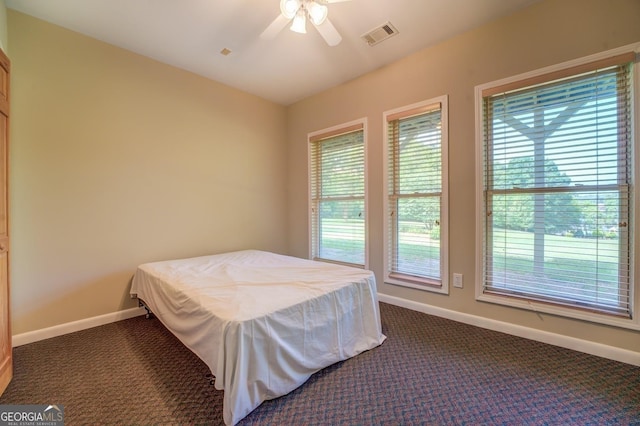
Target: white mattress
262,322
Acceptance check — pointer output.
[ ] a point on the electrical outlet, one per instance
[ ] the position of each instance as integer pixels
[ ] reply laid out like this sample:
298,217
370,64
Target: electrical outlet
457,280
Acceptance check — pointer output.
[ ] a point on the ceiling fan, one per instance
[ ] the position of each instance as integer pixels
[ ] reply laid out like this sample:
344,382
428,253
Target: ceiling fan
299,11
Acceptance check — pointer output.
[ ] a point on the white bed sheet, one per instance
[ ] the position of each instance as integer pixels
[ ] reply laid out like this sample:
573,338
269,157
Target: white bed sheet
262,322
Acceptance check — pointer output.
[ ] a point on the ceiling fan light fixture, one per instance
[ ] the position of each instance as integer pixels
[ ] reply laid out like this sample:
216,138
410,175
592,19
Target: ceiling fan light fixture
317,12
297,12
289,8
299,24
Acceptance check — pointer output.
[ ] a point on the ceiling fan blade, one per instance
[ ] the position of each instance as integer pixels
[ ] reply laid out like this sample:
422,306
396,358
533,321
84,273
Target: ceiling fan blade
275,27
329,33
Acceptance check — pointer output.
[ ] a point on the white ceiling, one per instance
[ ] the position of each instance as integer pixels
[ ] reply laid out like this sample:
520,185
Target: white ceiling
190,34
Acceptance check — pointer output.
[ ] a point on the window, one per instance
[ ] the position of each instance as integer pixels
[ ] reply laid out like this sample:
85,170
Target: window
338,202
416,196
556,196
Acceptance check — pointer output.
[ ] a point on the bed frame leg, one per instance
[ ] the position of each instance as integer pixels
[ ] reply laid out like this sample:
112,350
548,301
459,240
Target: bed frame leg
149,314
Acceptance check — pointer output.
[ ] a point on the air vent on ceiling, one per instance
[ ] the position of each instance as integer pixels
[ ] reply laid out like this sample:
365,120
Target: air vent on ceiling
379,34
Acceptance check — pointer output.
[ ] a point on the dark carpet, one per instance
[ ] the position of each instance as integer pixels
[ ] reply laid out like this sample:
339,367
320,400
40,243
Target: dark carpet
429,371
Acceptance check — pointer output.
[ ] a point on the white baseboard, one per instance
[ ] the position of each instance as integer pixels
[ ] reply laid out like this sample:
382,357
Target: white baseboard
598,349
70,327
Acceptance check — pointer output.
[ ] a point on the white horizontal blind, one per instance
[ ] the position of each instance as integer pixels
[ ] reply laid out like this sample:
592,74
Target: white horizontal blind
557,191
338,197
415,195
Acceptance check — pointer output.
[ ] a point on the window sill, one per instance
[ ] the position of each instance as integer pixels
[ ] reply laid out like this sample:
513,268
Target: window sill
417,283
547,308
337,262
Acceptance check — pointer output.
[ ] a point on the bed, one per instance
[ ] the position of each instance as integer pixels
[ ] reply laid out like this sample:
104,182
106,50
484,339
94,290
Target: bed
262,322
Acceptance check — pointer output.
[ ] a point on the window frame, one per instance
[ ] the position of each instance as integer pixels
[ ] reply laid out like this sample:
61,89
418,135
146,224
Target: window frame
348,127
565,69
391,277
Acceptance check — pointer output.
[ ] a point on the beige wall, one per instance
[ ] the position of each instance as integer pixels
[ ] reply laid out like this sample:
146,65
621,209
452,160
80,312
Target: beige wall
4,33
117,160
544,34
